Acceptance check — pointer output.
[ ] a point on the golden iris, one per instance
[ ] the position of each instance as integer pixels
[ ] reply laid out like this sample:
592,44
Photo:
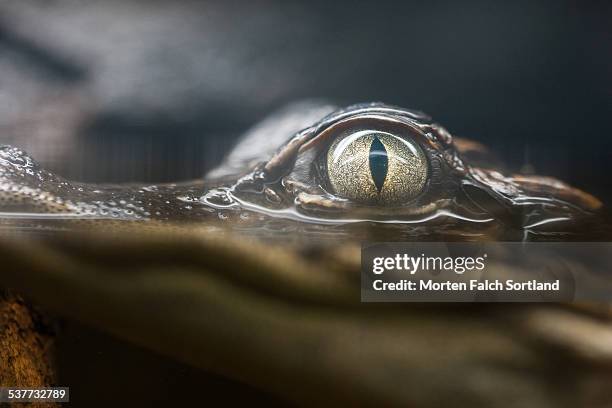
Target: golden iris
375,167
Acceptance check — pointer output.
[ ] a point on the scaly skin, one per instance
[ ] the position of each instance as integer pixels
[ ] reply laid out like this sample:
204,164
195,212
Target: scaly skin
267,194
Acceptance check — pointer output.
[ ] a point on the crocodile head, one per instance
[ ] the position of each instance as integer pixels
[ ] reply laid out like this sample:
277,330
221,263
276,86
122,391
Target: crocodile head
315,171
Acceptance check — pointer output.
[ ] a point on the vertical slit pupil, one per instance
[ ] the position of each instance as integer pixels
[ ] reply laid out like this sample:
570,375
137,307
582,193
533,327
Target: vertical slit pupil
379,162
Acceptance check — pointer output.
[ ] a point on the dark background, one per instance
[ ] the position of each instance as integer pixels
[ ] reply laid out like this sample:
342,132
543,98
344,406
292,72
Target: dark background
128,90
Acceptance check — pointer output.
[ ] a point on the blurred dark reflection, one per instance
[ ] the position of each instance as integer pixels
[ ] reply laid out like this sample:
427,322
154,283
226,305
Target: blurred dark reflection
105,372
149,90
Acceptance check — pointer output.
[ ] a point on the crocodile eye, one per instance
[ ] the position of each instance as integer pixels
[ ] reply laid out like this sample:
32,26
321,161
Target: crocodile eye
375,167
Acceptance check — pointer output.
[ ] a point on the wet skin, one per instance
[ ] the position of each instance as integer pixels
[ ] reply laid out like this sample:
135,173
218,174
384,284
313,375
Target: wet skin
277,182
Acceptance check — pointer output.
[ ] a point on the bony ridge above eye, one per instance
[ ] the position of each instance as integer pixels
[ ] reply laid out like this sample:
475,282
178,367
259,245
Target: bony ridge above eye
376,167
